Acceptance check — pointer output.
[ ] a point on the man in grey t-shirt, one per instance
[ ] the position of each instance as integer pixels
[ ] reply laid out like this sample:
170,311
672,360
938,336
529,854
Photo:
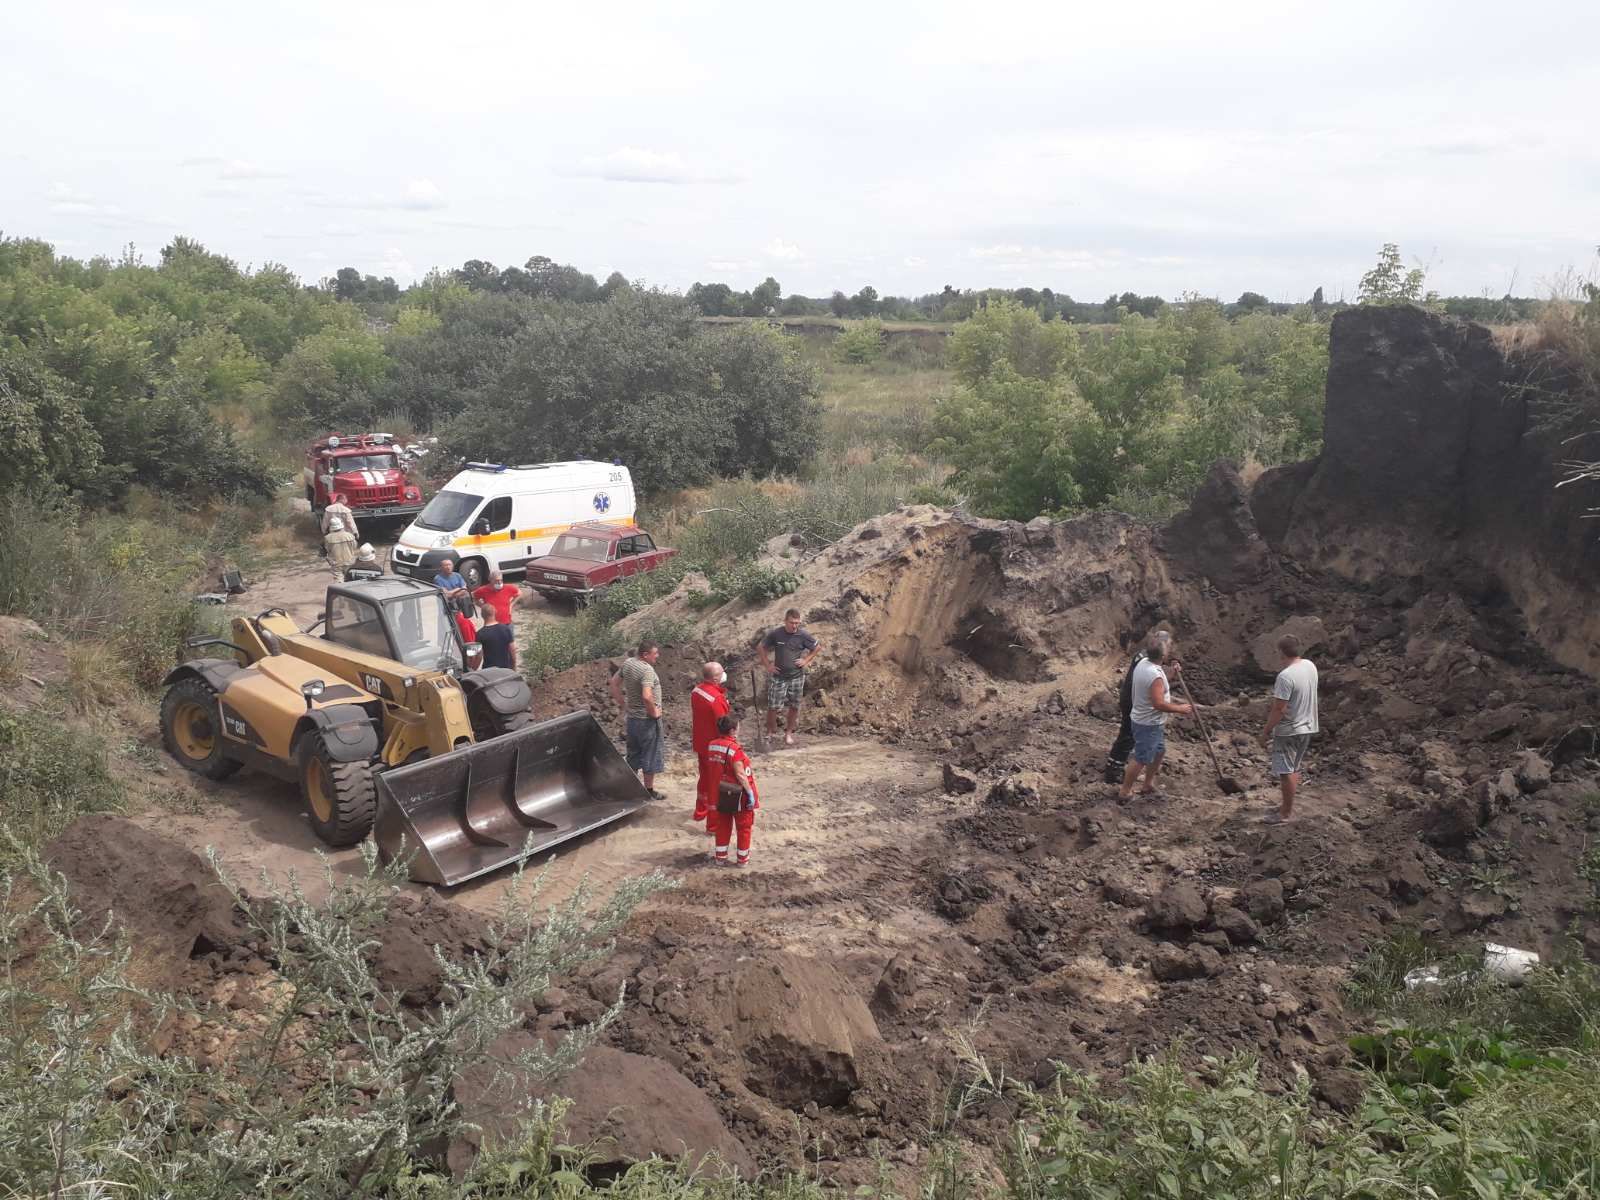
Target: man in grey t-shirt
636,689
1292,720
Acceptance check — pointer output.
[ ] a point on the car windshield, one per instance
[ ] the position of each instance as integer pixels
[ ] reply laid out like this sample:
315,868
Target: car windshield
577,545
424,632
448,511
365,462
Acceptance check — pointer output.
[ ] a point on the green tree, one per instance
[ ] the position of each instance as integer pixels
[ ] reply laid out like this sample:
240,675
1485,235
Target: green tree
764,298
1010,439
865,302
1389,282
1006,335
330,380
45,440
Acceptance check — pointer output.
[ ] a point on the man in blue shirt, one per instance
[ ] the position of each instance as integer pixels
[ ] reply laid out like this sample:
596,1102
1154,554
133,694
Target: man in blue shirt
449,581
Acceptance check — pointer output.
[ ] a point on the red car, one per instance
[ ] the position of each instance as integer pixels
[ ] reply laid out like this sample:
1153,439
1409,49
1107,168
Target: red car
587,559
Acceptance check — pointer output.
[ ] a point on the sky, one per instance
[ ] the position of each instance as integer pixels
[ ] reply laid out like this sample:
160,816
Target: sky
1158,148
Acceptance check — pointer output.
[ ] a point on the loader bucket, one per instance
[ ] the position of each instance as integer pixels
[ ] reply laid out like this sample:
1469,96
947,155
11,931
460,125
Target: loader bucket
483,806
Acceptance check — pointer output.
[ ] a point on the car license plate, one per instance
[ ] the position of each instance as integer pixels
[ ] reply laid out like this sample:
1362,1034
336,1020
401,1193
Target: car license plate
555,578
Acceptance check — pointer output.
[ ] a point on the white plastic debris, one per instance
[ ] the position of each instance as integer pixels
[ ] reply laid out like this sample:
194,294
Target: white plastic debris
1507,963
1422,977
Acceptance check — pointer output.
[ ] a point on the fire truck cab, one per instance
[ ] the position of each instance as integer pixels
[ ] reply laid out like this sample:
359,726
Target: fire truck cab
367,470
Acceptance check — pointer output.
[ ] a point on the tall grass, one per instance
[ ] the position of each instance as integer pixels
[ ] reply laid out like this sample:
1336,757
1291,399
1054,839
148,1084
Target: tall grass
50,774
122,581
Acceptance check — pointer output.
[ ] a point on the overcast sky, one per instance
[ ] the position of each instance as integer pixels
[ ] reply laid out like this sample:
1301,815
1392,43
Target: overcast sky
1089,148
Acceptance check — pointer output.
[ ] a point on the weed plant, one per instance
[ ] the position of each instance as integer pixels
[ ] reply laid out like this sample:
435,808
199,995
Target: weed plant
50,775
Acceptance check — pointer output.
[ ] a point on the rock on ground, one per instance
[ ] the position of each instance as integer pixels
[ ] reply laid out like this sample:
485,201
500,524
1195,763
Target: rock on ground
1179,907
1532,773
625,1107
1264,650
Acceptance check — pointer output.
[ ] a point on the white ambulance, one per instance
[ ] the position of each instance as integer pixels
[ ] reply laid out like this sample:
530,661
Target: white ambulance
497,517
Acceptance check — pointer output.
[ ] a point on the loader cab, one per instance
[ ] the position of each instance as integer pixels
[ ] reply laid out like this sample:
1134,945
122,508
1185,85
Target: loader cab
398,619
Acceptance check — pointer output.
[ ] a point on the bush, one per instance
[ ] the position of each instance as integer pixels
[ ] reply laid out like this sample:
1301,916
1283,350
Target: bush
50,774
85,1109
860,342
752,583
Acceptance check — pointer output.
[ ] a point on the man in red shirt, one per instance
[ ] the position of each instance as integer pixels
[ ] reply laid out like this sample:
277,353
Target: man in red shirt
499,595
707,702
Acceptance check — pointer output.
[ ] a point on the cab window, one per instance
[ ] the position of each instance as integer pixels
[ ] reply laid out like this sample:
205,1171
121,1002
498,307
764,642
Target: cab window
626,547
643,542
356,623
496,515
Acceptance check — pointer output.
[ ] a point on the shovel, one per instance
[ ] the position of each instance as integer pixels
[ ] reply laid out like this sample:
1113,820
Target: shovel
1229,785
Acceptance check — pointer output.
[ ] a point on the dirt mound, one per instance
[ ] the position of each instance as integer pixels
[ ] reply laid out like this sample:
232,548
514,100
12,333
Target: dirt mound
625,1108
168,900
1434,462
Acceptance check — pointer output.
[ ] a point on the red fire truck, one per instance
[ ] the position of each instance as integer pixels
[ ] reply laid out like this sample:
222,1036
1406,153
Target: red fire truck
368,470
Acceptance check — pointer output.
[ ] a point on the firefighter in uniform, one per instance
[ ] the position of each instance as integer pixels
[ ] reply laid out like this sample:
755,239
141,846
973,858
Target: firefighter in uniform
707,703
737,798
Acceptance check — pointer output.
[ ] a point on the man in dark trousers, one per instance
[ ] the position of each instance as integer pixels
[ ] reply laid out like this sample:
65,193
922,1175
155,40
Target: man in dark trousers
1117,759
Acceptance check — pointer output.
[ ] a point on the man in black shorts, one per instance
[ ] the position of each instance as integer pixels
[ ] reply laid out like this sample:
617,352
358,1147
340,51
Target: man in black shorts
786,652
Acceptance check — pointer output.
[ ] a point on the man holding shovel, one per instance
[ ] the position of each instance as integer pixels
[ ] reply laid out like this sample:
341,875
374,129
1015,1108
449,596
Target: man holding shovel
1151,708
1291,721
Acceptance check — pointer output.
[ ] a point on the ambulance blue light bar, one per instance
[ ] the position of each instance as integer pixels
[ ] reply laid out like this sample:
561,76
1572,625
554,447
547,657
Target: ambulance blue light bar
494,468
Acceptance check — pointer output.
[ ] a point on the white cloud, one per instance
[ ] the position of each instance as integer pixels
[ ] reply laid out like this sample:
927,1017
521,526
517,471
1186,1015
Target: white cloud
913,261
778,248
422,195
66,199
725,266
632,164
418,195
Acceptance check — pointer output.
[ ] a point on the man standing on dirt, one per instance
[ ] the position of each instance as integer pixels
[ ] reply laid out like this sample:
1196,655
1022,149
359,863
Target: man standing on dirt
498,640
340,546
1117,758
636,689
1151,708
708,702
499,595
786,652
1291,721
339,510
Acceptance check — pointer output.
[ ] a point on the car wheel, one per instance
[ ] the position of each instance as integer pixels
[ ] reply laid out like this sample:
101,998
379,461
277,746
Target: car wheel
475,573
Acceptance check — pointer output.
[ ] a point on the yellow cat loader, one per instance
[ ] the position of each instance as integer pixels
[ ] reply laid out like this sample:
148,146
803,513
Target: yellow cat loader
388,724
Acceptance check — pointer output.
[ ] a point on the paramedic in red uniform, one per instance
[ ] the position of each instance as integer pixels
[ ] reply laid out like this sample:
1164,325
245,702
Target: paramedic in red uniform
726,752
707,702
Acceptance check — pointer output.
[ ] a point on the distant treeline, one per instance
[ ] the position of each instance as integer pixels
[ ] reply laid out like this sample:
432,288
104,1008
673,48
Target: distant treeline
541,277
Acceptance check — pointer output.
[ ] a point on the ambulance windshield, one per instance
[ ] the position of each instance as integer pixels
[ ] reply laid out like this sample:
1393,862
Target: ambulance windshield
448,511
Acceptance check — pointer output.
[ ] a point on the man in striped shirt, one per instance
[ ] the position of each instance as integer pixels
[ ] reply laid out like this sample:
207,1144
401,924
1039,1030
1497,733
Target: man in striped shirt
708,702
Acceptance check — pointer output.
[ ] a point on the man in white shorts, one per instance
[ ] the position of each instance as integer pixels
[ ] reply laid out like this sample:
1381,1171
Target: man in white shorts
1292,721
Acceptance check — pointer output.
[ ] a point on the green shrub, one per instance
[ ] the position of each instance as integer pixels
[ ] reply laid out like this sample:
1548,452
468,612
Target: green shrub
50,774
860,342
752,583
86,1110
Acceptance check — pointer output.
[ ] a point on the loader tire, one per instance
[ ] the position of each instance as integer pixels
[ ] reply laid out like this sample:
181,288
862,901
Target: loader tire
189,730
340,797
487,723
